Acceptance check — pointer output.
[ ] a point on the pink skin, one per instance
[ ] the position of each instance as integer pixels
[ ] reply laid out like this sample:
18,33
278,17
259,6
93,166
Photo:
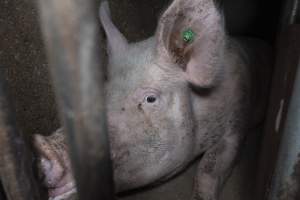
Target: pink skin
54,164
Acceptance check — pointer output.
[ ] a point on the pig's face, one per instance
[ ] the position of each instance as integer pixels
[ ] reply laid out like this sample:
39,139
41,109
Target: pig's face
150,118
150,109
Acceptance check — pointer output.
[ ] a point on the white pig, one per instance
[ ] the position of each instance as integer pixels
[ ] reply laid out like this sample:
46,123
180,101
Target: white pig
170,100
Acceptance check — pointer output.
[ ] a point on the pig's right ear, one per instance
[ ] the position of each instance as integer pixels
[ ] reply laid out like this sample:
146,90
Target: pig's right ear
116,42
191,35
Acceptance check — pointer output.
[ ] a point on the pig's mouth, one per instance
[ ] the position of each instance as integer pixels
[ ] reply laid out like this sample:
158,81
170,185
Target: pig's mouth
58,179
62,192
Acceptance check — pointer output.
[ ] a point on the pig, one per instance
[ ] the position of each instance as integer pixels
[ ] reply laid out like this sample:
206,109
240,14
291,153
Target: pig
171,101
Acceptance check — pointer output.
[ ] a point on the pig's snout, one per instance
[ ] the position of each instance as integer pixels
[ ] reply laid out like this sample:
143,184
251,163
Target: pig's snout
54,166
52,172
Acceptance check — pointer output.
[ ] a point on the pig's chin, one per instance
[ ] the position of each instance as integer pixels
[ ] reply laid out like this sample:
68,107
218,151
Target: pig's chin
62,188
125,182
62,192
129,177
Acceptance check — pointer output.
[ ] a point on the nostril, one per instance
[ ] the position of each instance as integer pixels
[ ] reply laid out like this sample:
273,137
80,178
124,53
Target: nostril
113,155
51,172
46,164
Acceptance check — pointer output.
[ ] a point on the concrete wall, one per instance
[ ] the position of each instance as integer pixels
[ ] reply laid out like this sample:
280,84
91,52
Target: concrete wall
23,60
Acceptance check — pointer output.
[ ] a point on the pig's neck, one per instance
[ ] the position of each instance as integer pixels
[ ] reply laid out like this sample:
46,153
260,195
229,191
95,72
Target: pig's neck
213,108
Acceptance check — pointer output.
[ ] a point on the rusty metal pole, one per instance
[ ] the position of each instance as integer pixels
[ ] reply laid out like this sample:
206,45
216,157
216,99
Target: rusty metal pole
73,41
16,160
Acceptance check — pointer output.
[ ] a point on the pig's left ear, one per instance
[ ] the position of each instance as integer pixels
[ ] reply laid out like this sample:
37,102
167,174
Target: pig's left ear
116,42
191,35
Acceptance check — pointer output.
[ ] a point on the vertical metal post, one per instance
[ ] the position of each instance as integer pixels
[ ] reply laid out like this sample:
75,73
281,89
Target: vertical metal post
288,50
72,36
16,159
2,194
291,13
286,63
287,178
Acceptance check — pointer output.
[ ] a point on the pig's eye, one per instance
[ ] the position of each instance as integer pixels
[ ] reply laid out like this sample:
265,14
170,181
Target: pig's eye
151,99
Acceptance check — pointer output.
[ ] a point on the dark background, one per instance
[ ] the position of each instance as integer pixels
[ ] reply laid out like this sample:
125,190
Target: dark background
137,18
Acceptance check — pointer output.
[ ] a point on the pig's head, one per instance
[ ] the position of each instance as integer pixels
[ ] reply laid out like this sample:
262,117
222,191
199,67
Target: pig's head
151,117
153,107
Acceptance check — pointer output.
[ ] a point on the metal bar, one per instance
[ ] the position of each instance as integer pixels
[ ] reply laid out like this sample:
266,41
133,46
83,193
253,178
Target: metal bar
73,41
290,14
284,176
16,160
287,54
287,57
286,181
2,194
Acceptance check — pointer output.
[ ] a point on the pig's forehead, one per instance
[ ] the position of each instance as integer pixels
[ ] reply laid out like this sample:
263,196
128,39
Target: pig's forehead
133,67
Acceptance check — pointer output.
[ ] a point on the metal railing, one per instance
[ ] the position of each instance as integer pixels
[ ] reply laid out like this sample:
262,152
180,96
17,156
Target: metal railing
16,159
73,43
282,91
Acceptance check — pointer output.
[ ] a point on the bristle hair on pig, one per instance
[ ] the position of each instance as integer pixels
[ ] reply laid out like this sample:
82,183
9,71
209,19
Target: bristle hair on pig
170,101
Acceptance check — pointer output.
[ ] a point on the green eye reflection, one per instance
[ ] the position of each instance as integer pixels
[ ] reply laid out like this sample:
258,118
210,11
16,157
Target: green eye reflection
188,35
